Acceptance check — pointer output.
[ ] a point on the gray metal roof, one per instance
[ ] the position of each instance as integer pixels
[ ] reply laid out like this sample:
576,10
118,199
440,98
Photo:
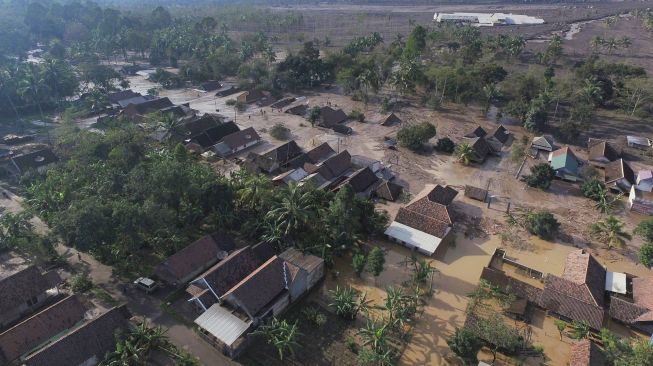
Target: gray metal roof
222,324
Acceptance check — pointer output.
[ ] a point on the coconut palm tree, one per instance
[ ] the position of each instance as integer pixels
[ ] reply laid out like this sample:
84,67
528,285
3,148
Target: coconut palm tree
491,92
294,211
5,81
611,231
465,153
32,88
596,43
281,334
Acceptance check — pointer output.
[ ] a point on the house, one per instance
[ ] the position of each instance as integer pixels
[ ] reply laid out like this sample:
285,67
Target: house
361,161
308,271
390,120
601,153
330,117
210,137
274,159
388,191
298,110
638,142
179,111
236,142
636,311
210,85
85,345
210,286
283,102
314,156
291,176
586,353
224,329
565,163
481,149
476,193
363,182
227,91
138,111
135,100
333,167
425,223
640,201
619,176
40,327
38,160
263,292
342,129
579,293
498,138
477,132
24,289
195,258
544,143
645,180
116,97
251,96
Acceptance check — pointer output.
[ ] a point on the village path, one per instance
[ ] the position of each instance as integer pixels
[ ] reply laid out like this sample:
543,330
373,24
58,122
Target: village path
139,303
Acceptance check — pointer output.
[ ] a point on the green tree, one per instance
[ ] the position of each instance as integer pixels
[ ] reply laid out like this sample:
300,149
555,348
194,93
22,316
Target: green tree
465,153
445,145
593,188
376,261
542,224
314,115
281,334
359,260
561,325
645,230
400,307
414,136
465,345
646,254
610,231
541,176
579,330
293,212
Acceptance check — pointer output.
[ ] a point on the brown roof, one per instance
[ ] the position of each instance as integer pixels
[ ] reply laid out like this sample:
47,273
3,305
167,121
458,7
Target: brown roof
388,191
643,291
307,262
34,159
390,120
586,353
40,327
276,157
19,287
423,223
569,299
298,110
224,275
260,287
478,132
335,166
263,251
147,107
330,117
475,193
362,180
426,207
602,149
93,339
501,134
241,138
511,285
199,254
442,195
626,311
481,147
619,169
584,270
320,153
122,95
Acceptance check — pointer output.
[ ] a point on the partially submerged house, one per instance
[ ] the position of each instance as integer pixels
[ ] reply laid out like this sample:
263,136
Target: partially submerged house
85,345
388,191
640,201
39,328
194,259
636,311
330,117
363,182
498,138
307,272
23,289
481,149
477,132
601,153
138,111
333,167
37,161
645,180
298,110
565,163
251,96
227,91
475,193
619,176
638,142
212,136
544,143
236,142
424,224
274,159
116,97
390,120
210,85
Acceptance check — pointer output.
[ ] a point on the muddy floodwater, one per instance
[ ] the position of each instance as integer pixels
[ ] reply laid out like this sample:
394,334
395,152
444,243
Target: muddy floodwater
459,268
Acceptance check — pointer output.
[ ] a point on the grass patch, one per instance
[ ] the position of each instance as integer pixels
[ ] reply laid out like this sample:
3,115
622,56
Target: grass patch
104,296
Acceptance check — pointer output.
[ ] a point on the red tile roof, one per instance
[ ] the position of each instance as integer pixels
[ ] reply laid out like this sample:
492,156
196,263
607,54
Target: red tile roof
422,222
568,299
442,195
584,270
586,353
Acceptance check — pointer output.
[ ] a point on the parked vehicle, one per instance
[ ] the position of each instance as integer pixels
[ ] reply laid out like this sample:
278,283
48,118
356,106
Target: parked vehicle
146,284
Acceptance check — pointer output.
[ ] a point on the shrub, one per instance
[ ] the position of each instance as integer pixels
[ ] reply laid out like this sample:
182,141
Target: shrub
376,260
313,315
81,283
152,92
593,188
414,136
359,260
314,115
646,254
230,102
542,224
280,132
357,115
541,176
445,145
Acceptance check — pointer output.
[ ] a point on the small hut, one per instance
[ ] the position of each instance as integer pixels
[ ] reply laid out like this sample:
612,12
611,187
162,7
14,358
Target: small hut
475,193
390,120
388,191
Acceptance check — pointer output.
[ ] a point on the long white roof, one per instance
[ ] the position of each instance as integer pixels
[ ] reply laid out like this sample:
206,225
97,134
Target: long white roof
489,18
222,324
414,237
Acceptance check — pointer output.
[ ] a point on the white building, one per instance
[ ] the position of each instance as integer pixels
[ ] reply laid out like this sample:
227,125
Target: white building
486,19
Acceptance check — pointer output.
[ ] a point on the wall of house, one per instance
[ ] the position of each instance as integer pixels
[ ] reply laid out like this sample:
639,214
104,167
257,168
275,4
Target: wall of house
299,285
645,185
315,276
281,304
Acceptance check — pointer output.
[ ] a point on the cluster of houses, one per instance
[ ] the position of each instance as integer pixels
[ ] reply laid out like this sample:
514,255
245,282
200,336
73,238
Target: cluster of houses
585,292
615,172
326,169
484,143
41,325
236,290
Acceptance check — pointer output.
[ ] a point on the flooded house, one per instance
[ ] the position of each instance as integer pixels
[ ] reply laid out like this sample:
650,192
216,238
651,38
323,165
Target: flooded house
644,180
388,191
601,153
390,120
273,160
227,91
39,161
212,136
236,142
619,176
543,143
194,259
426,223
566,164
138,111
251,96
330,117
